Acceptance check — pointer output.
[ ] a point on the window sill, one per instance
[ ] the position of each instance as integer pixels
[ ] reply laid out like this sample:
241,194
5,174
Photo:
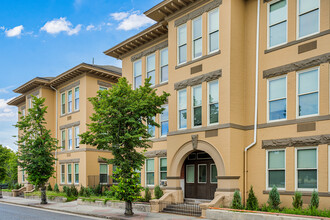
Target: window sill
160,84
198,59
67,114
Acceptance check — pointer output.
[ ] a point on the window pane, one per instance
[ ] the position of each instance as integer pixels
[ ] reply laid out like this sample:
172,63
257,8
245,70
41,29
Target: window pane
307,158
150,178
202,173
150,165
197,116
164,115
76,168
138,82
183,118
163,175
152,75
182,35
164,74
277,88
164,57
278,12
138,68
276,178
198,47
276,159
277,34
164,128
308,104
103,178
277,109
308,81
307,179
307,5
214,113
150,63
183,53
213,92
151,129
214,173
309,23
163,164
183,99
103,169
190,174
214,41
213,21
197,28
197,95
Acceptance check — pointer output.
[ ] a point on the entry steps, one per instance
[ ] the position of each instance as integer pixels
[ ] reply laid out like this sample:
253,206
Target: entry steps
189,207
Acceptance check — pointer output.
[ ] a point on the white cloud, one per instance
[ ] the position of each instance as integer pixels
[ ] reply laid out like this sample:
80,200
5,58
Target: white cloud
56,26
15,32
5,90
90,27
118,16
7,113
2,28
129,21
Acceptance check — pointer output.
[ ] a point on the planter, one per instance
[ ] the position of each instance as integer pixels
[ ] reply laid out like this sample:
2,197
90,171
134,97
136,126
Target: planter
59,199
4,193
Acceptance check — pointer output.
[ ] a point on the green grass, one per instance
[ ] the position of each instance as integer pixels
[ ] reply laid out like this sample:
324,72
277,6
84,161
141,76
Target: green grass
51,195
7,190
99,198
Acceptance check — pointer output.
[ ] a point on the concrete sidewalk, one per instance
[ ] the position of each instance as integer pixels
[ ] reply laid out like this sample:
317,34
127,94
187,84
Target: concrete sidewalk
101,212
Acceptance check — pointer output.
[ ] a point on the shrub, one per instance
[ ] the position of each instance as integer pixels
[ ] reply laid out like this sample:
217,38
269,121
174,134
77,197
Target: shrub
65,188
158,192
67,191
74,191
297,200
252,201
49,188
98,190
109,193
274,198
147,194
315,200
88,192
237,201
56,189
82,191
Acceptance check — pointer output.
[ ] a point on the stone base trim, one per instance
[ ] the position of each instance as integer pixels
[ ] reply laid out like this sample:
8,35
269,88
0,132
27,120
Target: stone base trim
228,177
173,177
321,194
227,190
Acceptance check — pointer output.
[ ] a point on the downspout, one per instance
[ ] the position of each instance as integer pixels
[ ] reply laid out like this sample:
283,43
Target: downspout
56,121
256,104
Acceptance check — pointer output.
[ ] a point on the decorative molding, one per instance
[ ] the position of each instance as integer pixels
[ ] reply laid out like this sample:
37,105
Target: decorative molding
158,139
198,79
101,160
228,177
322,194
155,153
160,84
76,160
173,178
33,94
197,12
307,47
81,150
310,126
196,69
77,123
105,84
194,140
198,59
149,51
173,188
75,84
299,65
227,190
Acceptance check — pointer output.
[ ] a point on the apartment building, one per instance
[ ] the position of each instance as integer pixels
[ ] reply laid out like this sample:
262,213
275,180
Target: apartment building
249,104
66,96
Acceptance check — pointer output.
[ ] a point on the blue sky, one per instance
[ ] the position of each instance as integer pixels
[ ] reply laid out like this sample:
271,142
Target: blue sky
48,37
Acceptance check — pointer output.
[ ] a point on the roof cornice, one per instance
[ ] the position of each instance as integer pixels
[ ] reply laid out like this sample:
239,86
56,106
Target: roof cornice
16,101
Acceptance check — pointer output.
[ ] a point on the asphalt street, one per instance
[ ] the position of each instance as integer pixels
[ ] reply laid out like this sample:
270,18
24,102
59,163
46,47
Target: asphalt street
14,212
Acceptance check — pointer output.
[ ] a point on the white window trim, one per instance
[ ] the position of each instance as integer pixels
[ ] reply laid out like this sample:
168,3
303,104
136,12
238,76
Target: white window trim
104,173
268,25
297,92
267,180
160,66
192,37
211,174
208,33
286,99
74,173
160,170
154,69
63,137
160,120
67,170
63,113
297,18
296,169
178,46
74,102
193,107
70,147
208,103
71,101
76,145
189,165
146,172
62,181
139,60
198,174
178,108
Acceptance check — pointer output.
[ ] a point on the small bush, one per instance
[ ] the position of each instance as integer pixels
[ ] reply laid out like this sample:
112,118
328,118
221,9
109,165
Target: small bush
315,200
82,191
56,189
74,191
67,191
237,201
147,194
252,201
49,188
88,192
158,192
109,193
297,200
65,188
98,190
274,198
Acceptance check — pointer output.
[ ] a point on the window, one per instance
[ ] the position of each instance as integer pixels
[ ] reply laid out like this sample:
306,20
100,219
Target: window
277,99
306,168
308,17
102,88
103,173
70,101
202,176
164,65
213,30
76,137
114,168
190,174
277,23
23,112
69,174
182,43
197,105
63,139
308,92
30,102
214,173
276,169
163,169
151,128
69,138
182,108
164,121
23,175
62,174
76,173
76,98
151,68
150,172
197,37
63,103
137,74
213,102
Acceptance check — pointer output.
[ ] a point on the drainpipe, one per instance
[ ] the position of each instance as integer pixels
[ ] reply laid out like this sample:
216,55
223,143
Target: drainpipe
56,121
256,104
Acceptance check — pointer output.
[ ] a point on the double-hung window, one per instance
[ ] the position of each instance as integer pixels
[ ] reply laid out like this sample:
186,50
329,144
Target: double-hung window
76,173
306,168
213,30
150,172
163,169
308,17
213,102
62,173
63,104
76,98
182,108
70,101
308,92
164,121
197,37
152,128
164,65
197,105
151,68
277,99
103,173
63,134
277,23
23,175
137,74
102,88
76,137
69,174
214,173
69,138
276,169
182,43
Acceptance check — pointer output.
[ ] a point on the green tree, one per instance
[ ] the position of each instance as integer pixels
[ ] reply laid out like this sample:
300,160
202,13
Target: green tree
8,166
119,125
297,200
4,156
36,146
237,201
252,201
274,198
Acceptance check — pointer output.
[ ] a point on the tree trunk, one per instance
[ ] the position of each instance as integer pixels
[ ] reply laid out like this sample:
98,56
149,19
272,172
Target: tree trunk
128,208
43,195
0,192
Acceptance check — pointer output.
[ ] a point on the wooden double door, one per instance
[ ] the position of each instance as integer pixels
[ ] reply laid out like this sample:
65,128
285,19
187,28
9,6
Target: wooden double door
200,176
